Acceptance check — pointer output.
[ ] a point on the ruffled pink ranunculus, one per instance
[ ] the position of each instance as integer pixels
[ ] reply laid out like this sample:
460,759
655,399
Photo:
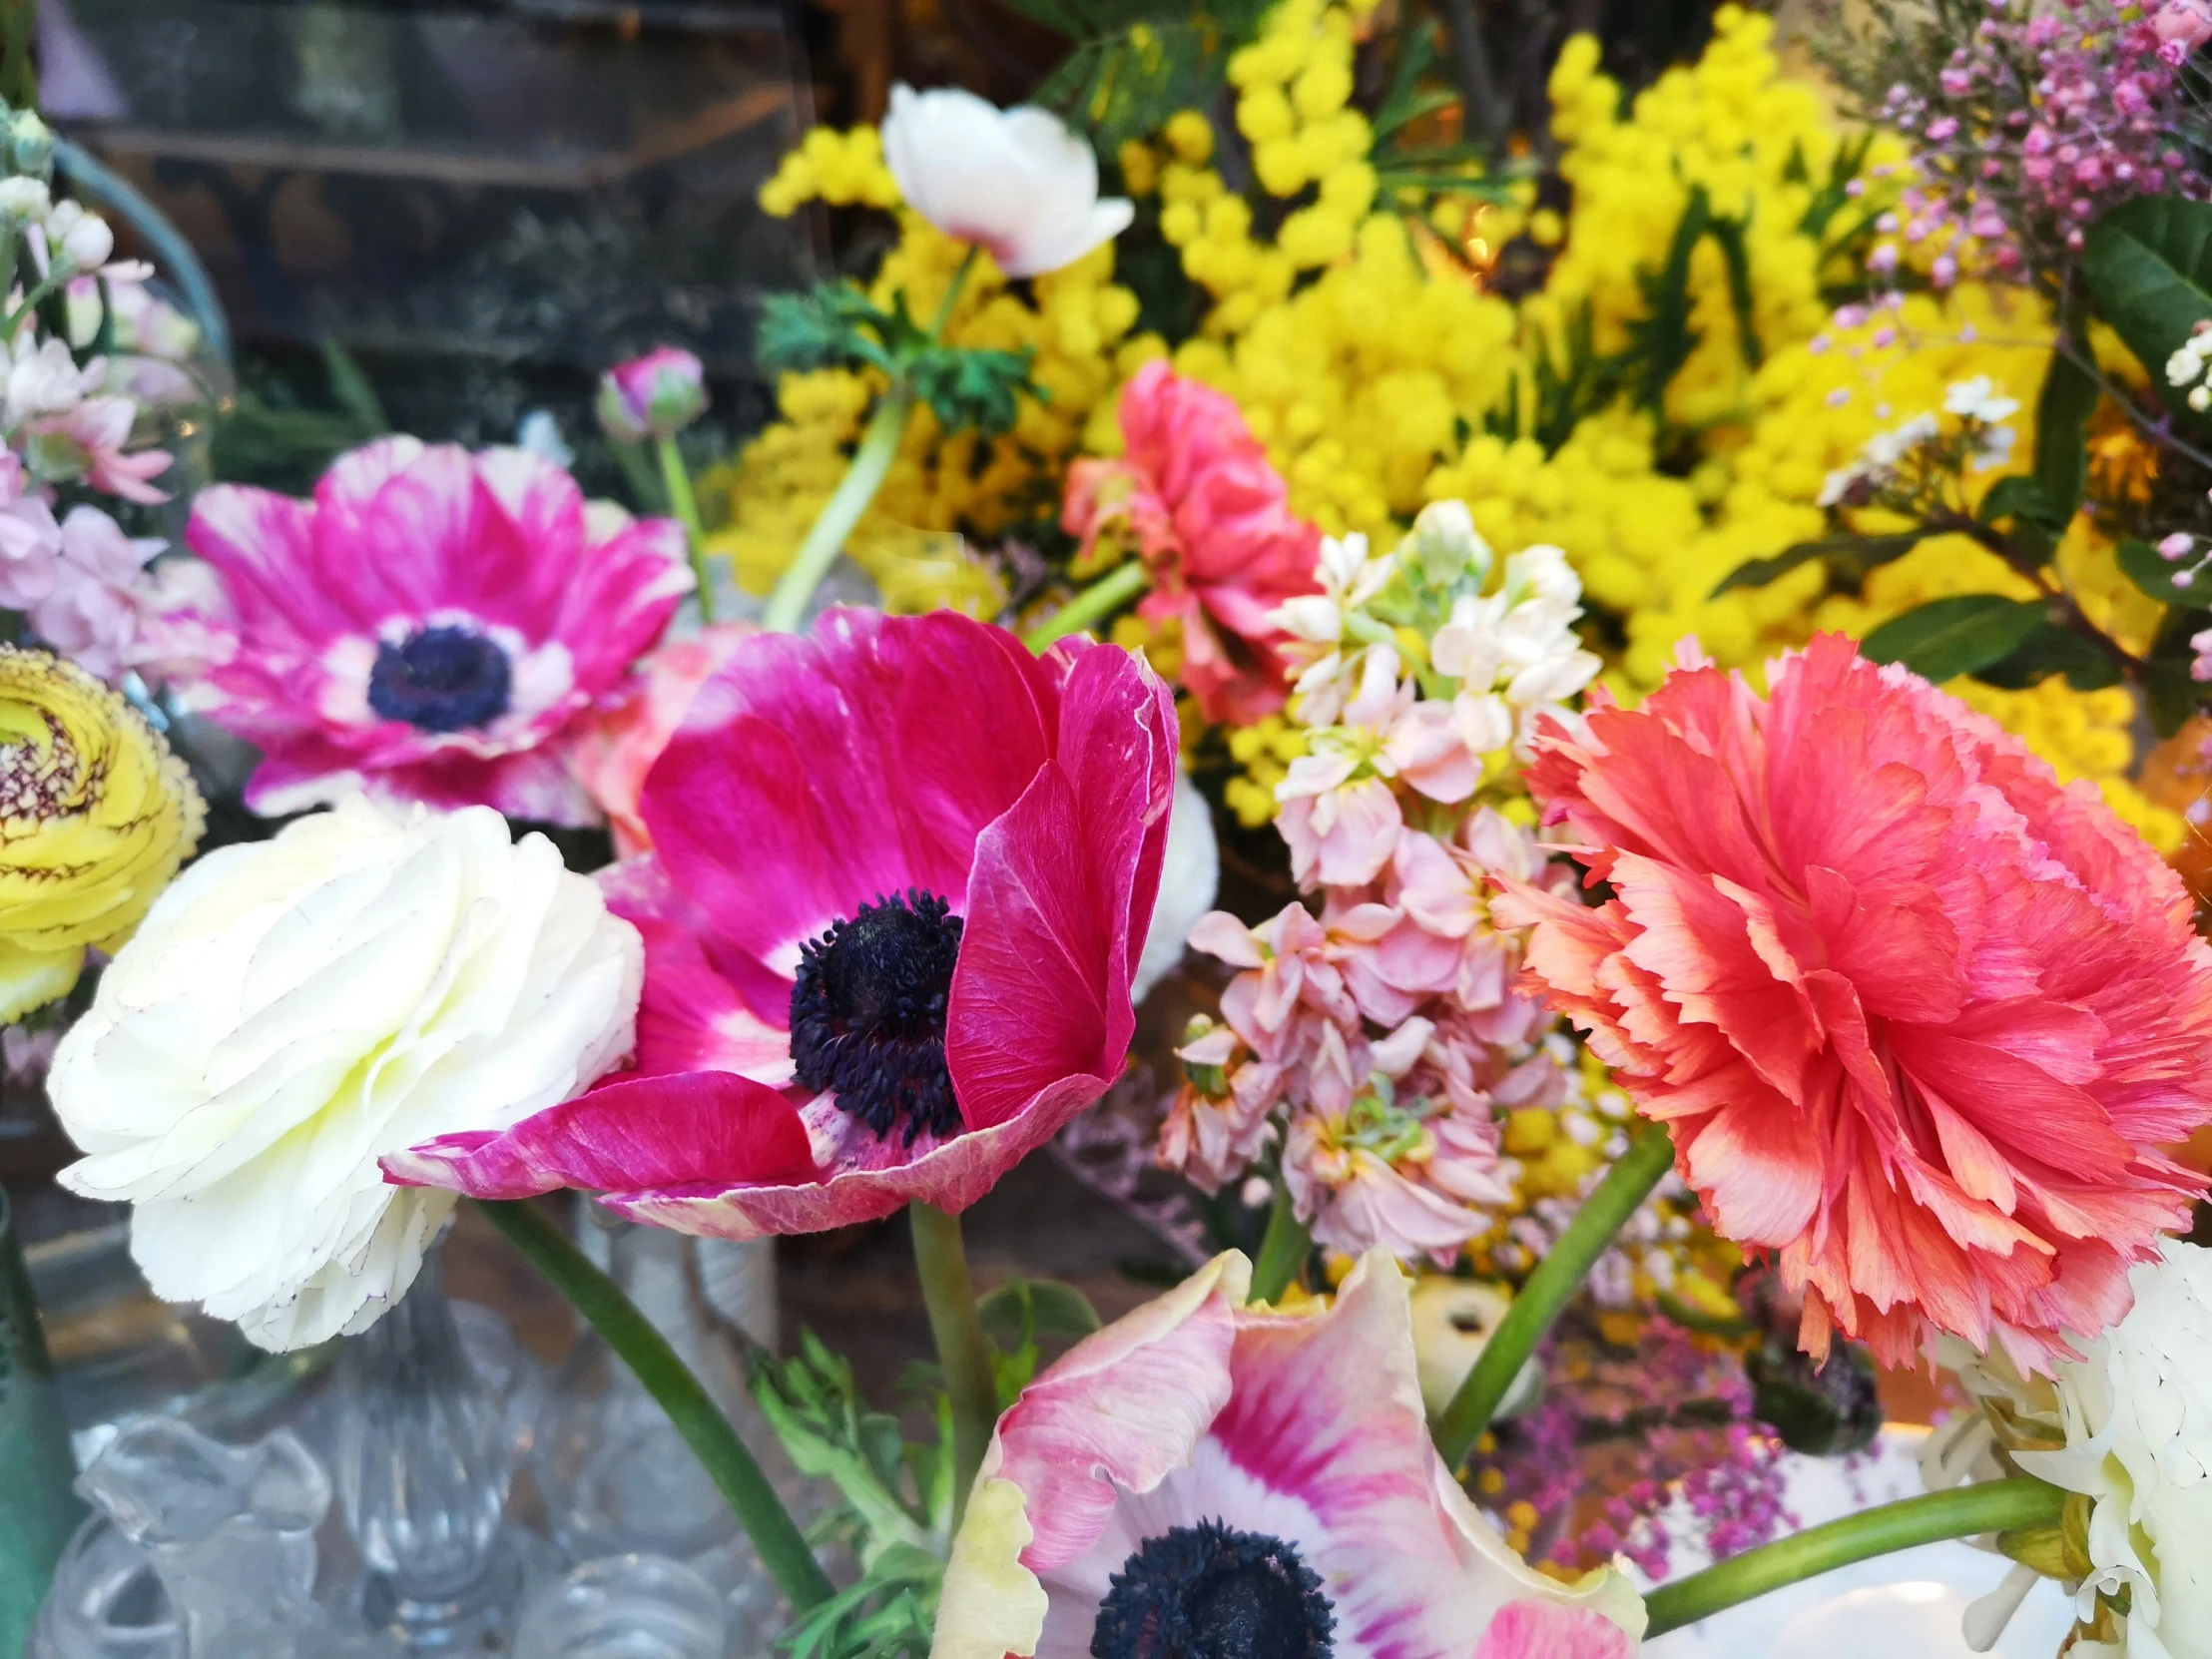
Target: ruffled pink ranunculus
428,627
1212,521
1202,1461
617,741
1919,1016
903,871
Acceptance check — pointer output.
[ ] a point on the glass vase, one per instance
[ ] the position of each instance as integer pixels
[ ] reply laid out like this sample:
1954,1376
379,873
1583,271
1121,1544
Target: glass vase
424,1464
38,1506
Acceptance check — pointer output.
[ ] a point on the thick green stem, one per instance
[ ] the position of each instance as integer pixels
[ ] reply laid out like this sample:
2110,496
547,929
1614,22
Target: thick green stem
783,1550
1104,596
786,606
1964,1511
677,478
963,1349
1558,1277
1283,1247
872,462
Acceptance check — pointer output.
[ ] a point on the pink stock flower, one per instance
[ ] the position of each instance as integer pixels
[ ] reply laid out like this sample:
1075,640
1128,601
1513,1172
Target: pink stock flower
617,741
1200,1461
94,613
901,865
2182,26
30,538
428,627
1213,522
1918,1017
90,441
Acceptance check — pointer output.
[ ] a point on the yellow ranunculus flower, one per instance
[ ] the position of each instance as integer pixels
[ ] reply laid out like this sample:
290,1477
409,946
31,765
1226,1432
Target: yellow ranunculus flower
96,813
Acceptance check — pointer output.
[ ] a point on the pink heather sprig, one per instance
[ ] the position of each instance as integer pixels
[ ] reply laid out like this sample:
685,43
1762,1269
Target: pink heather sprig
2037,123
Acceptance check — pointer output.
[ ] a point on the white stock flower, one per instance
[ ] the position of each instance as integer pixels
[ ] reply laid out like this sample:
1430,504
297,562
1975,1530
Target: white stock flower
293,1009
1978,400
43,379
2136,1414
24,199
81,239
1016,182
1190,876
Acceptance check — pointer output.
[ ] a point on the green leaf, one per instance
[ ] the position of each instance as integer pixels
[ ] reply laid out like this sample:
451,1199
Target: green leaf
972,388
2018,498
1854,556
1030,1307
2174,584
1950,637
2171,693
2050,650
829,326
2148,267
2068,399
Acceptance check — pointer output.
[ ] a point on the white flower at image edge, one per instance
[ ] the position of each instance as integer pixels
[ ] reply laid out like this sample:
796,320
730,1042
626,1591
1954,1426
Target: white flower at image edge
1016,182
1190,876
293,1009
2137,1413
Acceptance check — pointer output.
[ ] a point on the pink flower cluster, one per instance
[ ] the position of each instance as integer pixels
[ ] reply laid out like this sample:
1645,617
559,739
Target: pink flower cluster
79,579
1377,1044
2036,124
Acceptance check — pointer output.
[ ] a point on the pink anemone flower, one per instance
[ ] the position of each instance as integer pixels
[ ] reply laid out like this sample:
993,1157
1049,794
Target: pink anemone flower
903,871
1919,1017
1212,519
1204,1477
428,627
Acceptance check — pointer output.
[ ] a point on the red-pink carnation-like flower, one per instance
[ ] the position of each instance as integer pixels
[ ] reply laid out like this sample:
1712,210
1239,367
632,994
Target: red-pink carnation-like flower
901,875
427,628
1212,521
1918,1017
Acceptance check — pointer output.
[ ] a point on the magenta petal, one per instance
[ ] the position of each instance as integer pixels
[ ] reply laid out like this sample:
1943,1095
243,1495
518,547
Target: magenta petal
1058,900
261,545
630,1135
1536,1629
812,775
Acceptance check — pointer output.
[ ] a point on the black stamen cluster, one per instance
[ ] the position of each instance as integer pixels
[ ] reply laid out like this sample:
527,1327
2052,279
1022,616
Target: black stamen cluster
1212,1592
869,1009
442,679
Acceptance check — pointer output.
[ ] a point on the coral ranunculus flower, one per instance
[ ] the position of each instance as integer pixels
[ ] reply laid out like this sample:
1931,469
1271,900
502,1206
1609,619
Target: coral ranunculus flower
902,870
427,628
1213,520
1917,1015
616,744
1252,1483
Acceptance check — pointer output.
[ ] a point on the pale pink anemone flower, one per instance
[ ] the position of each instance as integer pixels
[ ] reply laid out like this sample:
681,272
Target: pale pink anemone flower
1918,1017
616,743
901,875
427,628
1201,1462
1213,522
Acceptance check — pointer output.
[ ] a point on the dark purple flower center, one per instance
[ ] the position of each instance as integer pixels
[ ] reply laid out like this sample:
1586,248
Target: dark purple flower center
442,679
867,1014
1211,1592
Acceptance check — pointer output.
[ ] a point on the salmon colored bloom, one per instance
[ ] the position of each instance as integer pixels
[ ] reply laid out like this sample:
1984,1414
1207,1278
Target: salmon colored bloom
1251,1483
1213,522
901,874
1918,1017
616,744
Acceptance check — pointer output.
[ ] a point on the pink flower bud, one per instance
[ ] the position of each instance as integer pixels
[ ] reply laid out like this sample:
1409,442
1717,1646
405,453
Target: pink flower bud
653,396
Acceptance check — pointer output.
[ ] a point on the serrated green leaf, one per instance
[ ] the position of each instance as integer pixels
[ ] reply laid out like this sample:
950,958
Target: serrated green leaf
2170,583
2148,267
1853,556
1948,637
973,389
2049,650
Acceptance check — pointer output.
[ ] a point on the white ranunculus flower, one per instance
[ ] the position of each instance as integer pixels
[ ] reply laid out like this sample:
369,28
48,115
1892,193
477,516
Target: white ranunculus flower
2136,1413
293,1009
1016,182
1190,876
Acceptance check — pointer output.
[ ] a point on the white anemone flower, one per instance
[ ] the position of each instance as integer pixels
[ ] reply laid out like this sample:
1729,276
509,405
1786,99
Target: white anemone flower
1190,876
293,1009
1016,182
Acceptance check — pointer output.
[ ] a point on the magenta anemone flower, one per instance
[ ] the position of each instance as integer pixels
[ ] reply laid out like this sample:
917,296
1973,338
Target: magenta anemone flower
427,628
1202,1479
901,874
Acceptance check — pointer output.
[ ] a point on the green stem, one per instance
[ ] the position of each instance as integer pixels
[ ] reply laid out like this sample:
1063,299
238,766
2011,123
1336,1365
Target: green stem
1558,1277
1962,1513
963,1349
677,478
872,462
783,1550
1283,1247
1108,594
